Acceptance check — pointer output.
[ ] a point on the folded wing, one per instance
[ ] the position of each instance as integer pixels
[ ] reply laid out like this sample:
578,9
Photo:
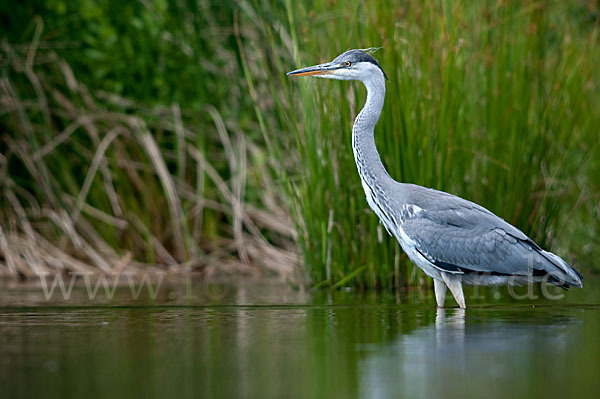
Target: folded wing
466,238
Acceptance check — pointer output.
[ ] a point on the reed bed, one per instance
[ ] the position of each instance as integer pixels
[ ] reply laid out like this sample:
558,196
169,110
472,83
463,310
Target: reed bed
203,154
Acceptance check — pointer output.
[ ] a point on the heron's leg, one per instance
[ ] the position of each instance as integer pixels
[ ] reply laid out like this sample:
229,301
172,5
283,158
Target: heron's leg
440,292
454,282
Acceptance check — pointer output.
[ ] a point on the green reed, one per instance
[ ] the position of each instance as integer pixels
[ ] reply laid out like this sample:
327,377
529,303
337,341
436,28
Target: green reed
493,101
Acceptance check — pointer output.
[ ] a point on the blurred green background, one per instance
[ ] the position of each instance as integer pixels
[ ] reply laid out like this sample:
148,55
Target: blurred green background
165,134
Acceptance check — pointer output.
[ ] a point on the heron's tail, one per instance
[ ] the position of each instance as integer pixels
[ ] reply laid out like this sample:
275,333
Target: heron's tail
565,275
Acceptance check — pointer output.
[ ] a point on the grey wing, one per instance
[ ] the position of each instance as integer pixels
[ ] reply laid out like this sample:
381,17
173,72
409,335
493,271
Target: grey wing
446,208
462,237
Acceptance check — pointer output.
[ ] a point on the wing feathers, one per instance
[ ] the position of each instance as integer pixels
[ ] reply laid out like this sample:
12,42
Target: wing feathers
488,249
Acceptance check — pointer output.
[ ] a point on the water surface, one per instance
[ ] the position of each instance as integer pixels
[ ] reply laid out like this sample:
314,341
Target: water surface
263,340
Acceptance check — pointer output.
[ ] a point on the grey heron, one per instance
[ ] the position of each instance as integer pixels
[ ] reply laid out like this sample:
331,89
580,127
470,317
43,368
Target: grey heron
453,240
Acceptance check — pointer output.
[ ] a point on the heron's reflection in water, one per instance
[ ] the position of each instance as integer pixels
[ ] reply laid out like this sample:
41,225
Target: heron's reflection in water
475,346
450,327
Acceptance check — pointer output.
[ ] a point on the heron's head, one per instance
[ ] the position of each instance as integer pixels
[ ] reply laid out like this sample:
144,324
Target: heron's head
350,65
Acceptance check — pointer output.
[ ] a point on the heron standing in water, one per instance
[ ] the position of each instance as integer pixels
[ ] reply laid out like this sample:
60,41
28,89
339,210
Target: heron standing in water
452,240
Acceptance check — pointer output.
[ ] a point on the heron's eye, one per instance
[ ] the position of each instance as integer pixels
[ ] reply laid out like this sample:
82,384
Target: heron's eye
347,63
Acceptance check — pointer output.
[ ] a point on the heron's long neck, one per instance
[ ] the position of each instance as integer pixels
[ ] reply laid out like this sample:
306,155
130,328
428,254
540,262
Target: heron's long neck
368,162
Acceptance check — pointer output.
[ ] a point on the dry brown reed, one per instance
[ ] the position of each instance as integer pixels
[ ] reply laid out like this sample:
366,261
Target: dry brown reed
95,183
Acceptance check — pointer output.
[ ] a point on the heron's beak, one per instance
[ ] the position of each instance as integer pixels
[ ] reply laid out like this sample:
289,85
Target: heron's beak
321,69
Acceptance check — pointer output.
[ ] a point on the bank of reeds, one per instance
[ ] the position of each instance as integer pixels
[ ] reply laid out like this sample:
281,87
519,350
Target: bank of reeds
495,101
